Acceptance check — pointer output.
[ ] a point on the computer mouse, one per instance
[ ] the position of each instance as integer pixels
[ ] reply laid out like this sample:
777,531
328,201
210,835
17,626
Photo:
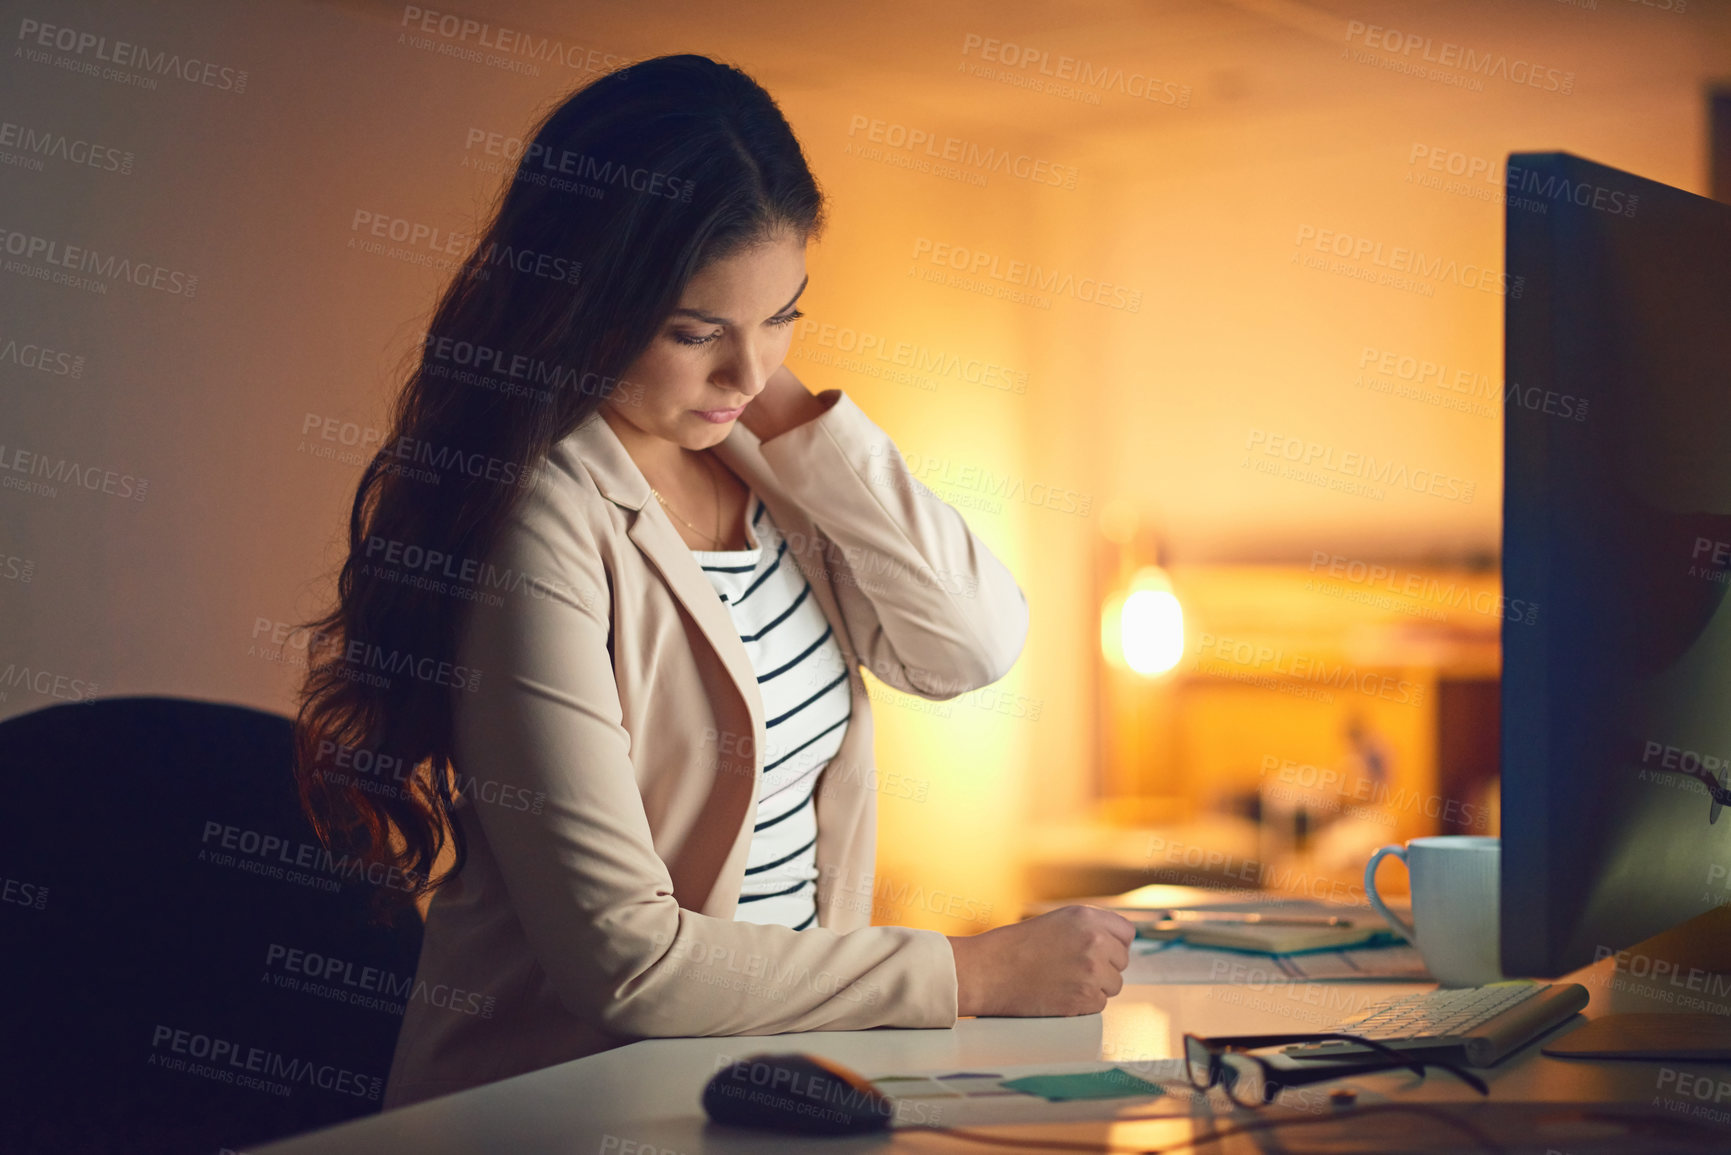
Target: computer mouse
796,1092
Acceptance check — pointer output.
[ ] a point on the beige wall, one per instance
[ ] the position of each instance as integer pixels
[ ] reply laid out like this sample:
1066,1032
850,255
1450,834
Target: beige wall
1269,124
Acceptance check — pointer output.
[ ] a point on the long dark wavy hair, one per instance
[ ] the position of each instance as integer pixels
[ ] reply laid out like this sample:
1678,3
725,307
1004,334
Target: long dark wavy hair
623,192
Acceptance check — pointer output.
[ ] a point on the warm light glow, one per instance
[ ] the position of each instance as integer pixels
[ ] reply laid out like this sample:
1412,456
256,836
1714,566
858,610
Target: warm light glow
1143,628
1152,629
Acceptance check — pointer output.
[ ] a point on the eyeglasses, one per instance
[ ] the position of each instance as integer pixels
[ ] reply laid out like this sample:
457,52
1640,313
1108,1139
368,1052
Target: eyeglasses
1252,1081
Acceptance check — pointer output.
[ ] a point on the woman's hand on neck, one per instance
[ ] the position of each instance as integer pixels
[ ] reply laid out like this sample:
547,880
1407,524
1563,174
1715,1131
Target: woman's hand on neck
784,403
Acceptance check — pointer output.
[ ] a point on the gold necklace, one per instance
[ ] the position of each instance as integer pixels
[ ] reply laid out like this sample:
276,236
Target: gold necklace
714,537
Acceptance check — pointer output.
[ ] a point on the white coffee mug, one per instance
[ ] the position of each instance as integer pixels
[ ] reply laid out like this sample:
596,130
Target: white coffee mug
1456,880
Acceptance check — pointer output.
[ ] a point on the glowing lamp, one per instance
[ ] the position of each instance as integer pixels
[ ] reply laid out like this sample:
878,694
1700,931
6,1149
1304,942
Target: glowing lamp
1142,628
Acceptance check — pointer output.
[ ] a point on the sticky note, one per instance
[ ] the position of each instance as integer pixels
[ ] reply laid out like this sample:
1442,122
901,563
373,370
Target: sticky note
1108,1084
975,1085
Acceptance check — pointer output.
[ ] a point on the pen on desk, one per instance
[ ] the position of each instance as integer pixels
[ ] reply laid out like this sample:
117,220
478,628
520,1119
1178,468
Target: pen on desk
1237,918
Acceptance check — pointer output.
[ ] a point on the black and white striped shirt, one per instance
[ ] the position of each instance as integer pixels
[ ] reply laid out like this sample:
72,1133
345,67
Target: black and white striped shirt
806,703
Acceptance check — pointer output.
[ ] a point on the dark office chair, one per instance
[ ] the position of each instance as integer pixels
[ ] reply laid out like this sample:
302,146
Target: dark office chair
163,903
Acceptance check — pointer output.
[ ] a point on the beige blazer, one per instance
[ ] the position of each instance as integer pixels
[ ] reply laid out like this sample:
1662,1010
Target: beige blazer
608,756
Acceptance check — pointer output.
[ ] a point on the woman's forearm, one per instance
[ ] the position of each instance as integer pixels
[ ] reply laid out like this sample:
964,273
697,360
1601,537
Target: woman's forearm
1065,962
929,609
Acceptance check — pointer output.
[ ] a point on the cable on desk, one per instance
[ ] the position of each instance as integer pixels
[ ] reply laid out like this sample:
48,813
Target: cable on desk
1194,1142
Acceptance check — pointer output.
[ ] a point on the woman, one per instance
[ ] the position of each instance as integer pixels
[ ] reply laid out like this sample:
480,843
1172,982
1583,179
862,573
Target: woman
607,584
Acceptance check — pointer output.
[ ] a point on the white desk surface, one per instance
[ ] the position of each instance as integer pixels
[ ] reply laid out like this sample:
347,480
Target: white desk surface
643,1099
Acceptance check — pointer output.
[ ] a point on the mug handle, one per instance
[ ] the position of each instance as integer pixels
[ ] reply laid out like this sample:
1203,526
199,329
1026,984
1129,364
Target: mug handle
1404,929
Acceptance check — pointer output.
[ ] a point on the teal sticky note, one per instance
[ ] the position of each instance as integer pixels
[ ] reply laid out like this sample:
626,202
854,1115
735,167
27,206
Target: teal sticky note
1108,1084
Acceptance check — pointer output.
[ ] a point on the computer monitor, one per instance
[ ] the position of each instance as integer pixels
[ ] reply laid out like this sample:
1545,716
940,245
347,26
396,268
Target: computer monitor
1616,696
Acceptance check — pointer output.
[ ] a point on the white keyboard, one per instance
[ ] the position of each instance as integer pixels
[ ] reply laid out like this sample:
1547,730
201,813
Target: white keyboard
1476,1024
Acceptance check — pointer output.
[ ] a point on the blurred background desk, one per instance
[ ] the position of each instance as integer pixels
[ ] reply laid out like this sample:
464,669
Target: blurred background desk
1311,714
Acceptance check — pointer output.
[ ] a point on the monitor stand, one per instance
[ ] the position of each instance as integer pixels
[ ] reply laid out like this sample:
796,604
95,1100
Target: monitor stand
1700,949
1679,1038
